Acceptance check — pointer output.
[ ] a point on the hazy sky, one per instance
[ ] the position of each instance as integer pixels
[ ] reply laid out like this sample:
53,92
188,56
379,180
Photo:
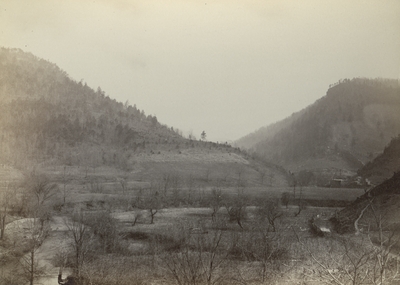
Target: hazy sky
227,67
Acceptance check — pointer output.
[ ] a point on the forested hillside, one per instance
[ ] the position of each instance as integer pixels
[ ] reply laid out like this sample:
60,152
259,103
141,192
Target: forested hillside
266,132
385,164
47,118
343,130
44,113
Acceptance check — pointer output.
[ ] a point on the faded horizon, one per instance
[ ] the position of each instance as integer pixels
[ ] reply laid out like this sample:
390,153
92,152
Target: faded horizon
225,67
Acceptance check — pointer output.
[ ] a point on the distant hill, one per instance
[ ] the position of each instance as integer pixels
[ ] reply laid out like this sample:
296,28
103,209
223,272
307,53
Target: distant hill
51,121
384,165
264,133
337,134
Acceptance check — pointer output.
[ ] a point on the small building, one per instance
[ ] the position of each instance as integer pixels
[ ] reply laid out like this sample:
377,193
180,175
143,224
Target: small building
336,183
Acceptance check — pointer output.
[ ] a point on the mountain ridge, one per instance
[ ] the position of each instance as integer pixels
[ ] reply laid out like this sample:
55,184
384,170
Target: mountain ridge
343,130
48,119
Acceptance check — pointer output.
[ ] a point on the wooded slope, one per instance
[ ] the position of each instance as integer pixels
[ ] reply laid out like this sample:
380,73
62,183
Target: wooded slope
346,128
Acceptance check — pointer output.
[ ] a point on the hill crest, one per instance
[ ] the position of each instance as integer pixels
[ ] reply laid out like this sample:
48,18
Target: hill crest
343,130
47,119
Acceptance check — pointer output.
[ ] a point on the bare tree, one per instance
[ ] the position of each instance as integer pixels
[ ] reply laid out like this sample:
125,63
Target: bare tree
64,182
342,262
236,208
41,188
36,234
6,197
301,203
285,199
203,136
137,214
303,178
104,229
266,250
215,202
80,237
271,252
368,256
123,181
294,183
386,237
10,278
345,260
199,258
269,210
153,203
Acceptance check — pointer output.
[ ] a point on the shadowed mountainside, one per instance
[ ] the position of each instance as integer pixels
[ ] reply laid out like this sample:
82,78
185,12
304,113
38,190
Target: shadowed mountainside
384,165
341,131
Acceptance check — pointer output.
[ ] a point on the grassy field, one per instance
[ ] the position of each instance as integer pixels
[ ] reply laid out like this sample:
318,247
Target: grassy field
310,193
252,238
170,224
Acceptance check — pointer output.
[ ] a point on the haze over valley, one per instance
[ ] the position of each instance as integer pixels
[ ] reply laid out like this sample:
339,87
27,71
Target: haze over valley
187,142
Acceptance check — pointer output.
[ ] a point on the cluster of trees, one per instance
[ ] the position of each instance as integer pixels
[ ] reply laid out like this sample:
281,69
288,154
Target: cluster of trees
384,164
214,252
241,241
32,200
92,234
28,199
368,257
200,252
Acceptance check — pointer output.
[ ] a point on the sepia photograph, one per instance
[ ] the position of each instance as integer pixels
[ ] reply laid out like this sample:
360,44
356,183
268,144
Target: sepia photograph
191,142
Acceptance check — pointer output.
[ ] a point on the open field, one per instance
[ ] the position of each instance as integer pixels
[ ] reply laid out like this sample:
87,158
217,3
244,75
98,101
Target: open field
175,230
168,227
162,229
314,195
311,193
